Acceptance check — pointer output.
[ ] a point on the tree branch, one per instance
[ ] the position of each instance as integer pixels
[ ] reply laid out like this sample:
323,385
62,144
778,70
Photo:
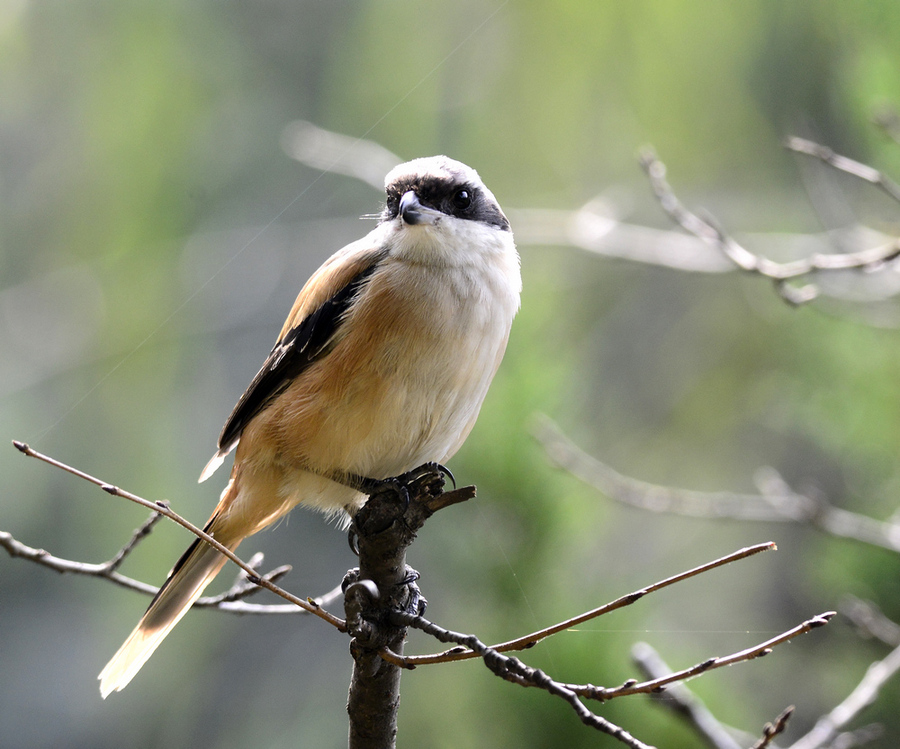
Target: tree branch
870,621
17,549
513,670
771,730
655,686
682,701
780,273
382,600
843,164
382,586
777,502
231,601
162,508
865,693
530,640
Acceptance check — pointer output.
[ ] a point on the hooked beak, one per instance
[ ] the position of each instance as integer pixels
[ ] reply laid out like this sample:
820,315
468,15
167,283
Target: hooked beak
413,212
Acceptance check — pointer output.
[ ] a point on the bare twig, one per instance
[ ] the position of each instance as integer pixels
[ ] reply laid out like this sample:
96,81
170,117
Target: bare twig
682,701
139,534
40,556
771,730
513,670
242,587
266,609
231,601
849,166
656,685
870,621
780,273
529,640
865,693
163,508
777,502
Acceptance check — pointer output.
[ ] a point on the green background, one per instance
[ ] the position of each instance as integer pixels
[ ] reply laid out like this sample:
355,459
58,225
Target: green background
153,234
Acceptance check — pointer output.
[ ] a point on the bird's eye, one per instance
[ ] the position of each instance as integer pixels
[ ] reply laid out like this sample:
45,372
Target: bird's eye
462,199
393,205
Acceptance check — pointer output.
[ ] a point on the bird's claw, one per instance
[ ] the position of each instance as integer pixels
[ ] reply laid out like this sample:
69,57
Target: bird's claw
432,473
425,470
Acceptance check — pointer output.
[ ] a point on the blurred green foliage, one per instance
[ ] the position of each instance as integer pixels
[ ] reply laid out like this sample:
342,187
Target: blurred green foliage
153,233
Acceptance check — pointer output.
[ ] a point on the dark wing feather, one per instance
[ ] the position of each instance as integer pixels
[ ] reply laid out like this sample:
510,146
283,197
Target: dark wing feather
299,347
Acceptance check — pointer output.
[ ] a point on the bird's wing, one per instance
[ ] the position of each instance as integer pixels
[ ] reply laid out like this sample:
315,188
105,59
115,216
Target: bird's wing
307,335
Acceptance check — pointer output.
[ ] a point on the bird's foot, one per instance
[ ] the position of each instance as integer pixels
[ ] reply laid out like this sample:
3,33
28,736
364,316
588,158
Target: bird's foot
427,480
429,472
430,475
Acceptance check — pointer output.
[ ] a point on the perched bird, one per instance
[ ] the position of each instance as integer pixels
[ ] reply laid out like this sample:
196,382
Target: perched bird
382,365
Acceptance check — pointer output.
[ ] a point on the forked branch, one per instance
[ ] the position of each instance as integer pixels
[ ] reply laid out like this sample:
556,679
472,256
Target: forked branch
781,274
513,670
108,570
529,640
776,501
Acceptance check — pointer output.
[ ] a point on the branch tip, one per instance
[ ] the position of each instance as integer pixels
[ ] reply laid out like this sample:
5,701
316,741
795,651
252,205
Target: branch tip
771,730
22,447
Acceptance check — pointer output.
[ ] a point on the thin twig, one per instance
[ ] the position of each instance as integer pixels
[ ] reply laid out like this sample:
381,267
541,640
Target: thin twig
771,730
228,602
776,503
266,609
865,693
40,556
870,620
139,534
844,164
242,587
654,686
780,273
682,701
163,509
529,640
513,670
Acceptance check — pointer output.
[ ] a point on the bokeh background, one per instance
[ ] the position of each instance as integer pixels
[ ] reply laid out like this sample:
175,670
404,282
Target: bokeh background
154,231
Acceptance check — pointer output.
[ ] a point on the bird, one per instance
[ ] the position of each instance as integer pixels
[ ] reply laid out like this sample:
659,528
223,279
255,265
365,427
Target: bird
381,366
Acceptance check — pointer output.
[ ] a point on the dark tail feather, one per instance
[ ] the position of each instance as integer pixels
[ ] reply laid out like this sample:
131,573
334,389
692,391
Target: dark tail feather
186,583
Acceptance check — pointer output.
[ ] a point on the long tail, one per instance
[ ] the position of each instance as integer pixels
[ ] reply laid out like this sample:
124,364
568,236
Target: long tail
185,584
